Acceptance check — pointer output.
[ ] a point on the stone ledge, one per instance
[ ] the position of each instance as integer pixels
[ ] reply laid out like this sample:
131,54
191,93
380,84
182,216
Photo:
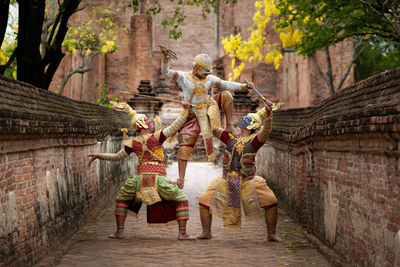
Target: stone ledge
370,106
26,110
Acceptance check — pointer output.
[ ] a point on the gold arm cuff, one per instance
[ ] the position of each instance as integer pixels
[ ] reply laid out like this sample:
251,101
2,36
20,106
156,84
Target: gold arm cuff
176,125
165,59
113,157
185,113
175,76
245,88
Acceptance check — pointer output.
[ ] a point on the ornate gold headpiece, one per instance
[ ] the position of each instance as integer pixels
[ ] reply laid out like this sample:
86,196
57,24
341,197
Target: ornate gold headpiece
136,118
259,115
203,61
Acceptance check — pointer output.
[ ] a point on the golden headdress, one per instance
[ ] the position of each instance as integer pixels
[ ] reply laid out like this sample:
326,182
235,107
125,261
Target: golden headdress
136,118
259,115
204,61
257,118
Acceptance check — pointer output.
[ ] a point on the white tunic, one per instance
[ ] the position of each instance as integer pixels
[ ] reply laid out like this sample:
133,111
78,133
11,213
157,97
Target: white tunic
188,82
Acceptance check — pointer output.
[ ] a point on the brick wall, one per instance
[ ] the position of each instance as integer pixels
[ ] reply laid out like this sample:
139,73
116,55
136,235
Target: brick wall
336,168
47,190
296,82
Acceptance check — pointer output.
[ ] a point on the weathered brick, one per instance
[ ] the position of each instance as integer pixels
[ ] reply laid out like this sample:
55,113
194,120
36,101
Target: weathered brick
360,162
71,129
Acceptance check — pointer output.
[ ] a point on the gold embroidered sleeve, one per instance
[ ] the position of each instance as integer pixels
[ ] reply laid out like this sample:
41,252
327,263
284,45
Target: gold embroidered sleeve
177,124
113,157
225,85
266,129
174,75
218,84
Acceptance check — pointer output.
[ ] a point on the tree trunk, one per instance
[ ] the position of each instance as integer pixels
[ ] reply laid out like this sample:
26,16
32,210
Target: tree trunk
29,69
55,52
4,7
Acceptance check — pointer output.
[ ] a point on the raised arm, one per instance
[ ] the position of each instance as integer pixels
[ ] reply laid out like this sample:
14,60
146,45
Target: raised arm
266,129
172,74
263,135
226,85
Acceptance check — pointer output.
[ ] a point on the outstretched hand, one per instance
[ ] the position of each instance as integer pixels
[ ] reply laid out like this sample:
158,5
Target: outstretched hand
185,104
167,52
249,85
92,158
268,106
163,50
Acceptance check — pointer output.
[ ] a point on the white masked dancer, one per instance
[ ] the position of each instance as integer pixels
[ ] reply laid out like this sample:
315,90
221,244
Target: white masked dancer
204,113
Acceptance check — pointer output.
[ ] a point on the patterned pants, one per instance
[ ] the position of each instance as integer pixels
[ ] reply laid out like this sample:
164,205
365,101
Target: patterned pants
190,131
136,185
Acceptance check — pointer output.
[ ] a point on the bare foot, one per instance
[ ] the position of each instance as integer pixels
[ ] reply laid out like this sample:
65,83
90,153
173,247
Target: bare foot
185,236
273,238
204,235
180,182
116,235
231,129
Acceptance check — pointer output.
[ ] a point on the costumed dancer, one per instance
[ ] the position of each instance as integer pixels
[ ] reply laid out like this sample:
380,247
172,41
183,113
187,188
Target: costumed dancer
204,114
151,185
239,186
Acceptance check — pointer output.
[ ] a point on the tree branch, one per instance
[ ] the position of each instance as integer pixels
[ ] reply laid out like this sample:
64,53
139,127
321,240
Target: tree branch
324,77
10,60
81,69
353,59
329,71
68,76
375,9
82,7
46,27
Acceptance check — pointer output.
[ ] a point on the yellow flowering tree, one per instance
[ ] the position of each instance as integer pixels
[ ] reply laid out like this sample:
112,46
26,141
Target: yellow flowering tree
259,47
307,26
90,39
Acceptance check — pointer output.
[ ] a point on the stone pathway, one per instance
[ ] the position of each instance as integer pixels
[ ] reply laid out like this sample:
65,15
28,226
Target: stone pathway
145,246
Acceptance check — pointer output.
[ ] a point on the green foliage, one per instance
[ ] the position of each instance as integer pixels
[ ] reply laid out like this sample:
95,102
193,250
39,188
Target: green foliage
173,22
306,26
327,22
103,100
6,51
10,43
88,36
377,57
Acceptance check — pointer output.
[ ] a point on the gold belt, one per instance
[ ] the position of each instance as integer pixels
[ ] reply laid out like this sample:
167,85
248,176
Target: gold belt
201,105
153,163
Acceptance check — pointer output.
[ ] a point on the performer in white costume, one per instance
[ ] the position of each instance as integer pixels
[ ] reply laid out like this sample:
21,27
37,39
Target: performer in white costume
204,114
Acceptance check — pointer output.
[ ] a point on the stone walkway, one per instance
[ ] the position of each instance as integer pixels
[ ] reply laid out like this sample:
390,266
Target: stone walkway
145,246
